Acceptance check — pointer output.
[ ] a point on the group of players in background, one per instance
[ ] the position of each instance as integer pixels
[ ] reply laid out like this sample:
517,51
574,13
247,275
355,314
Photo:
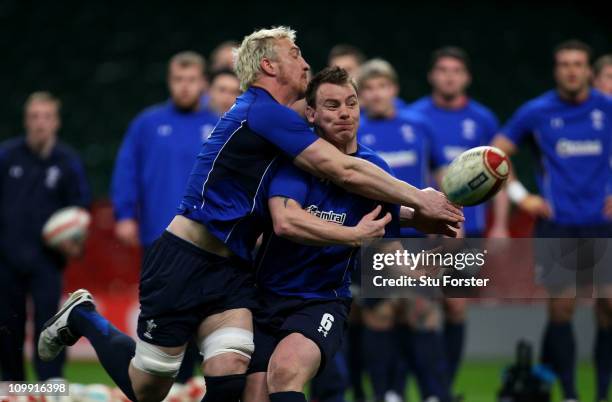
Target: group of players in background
415,141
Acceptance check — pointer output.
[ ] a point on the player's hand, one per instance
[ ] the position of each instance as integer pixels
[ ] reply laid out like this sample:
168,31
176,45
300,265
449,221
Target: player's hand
433,204
72,248
608,207
434,226
127,232
536,206
370,227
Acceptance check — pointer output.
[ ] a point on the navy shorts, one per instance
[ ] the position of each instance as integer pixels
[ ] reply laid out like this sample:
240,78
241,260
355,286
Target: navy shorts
574,257
322,321
181,285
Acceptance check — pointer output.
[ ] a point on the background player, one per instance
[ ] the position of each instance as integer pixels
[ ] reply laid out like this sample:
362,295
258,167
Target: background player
402,139
458,123
158,152
572,131
602,69
347,57
38,176
211,232
222,57
223,91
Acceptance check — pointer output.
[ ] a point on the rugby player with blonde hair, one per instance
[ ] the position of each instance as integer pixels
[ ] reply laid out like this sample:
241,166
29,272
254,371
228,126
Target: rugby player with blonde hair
197,277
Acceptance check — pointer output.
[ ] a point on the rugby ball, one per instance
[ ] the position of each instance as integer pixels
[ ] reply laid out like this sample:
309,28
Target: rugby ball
66,223
476,175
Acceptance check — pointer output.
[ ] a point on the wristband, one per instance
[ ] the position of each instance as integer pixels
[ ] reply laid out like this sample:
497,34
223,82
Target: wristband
516,191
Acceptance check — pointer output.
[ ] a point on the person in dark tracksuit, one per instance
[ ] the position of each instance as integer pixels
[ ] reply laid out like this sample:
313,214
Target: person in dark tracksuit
38,176
158,152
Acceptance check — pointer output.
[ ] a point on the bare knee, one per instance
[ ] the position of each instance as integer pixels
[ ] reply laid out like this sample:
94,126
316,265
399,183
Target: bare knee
561,310
294,362
225,364
284,374
148,387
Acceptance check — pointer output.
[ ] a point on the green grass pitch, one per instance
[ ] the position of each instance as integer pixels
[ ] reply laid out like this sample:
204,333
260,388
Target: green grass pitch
477,380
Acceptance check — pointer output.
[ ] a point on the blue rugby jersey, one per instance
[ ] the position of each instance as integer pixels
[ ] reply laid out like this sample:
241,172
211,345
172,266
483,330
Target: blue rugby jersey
153,164
226,178
574,145
454,131
291,269
403,141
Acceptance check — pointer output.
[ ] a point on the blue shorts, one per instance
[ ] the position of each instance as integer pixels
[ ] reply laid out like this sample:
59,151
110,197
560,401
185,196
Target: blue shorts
574,257
181,285
322,321
548,229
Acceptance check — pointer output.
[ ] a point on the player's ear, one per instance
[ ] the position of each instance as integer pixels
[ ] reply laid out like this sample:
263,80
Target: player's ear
268,67
310,114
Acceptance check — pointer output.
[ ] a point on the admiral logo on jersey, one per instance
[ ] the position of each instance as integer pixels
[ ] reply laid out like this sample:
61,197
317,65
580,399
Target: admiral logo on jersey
329,216
567,148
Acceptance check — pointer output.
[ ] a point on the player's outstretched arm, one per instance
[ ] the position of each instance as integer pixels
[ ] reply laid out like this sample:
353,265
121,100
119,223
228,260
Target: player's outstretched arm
532,203
292,222
368,180
411,218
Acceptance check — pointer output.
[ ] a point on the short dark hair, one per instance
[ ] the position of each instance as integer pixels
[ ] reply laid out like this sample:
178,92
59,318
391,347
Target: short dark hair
601,63
329,75
573,44
223,71
453,52
346,50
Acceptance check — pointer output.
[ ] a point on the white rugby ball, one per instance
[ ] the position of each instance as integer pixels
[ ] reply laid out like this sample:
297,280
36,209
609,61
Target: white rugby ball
66,223
476,175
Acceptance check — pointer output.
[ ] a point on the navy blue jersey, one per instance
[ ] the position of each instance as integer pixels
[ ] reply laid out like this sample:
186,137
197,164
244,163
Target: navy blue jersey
291,269
31,190
153,164
454,132
403,141
223,185
574,145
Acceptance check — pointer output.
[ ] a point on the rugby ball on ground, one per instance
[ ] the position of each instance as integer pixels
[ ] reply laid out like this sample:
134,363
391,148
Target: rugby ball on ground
476,175
66,223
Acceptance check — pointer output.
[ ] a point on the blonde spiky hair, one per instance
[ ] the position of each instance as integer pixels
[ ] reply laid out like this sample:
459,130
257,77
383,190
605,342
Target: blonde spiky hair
254,48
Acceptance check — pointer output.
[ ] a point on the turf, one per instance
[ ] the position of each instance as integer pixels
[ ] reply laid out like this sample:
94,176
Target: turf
477,380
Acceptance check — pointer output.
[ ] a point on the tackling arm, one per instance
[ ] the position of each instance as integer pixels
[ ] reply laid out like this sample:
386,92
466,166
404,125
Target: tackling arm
368,180
292,222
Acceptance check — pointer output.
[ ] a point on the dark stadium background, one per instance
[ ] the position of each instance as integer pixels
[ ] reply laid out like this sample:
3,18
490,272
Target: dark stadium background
106,61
